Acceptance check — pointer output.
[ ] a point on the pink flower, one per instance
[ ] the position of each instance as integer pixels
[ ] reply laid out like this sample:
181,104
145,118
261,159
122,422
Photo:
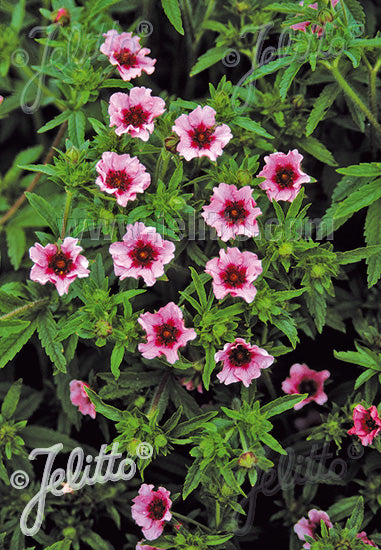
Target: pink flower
122,176
303,26
124,51
199,135
133,114
58,265
311,526
233,272
367,424
151,510
364,537
305,380
166,333
283,175
61,17
190,385
1,99
242,362
232,212
143,253
79,397
141,546
66,489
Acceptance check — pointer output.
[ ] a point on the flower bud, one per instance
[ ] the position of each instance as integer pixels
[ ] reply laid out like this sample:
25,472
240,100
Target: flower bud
160,440
285,249
247,460
170,143
69,533
103,328
325,16
317,271
61,17
244,177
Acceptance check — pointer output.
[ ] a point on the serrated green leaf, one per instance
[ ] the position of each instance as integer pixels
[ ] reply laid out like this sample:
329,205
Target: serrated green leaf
372,232
16,243
116,359
56,121
44,209
269,68
271,442
107,410
321,105
192,479
11,345
11,400
48,332
364,196
76,128
210,364
173,12
251,126
287,78
365,169
317,149
208,59
281,404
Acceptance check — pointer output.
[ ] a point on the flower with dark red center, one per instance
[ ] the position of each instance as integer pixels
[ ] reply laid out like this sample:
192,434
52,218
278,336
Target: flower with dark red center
311,525
232,212
79,397
142,253
151,510
166,333
124,51
199,135
242,362
367,424
135,112
122,176
58,265
233,273
284,177
305,380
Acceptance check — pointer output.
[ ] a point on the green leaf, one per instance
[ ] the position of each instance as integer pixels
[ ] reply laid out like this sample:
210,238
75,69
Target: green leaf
61,545
357,516
251,126
365,169
317,149
76,128
173,12
11,345
215,540
269,68
208,59
45,210
372,233
364,377
321,105
281,404
107,410
287,78
116,359
364,196
95,541
353,256
271,442
56,121
209,365
190,426
11,400
192,479
356,10
97,271
16,243
288,327
39,436
18,13
48,332
199,288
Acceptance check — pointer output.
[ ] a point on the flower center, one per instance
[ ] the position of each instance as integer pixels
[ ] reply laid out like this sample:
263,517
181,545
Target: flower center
202,137
143,254
135,116
118,179
308,386
235,211
285,177
234,276
156,508
240,356
126,58
60,264
166,334
371,424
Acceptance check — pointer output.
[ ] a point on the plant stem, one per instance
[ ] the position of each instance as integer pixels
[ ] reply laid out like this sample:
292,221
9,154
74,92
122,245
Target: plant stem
158,393
218,514
354,97
13,209
269,384
190,520
69,198
23,309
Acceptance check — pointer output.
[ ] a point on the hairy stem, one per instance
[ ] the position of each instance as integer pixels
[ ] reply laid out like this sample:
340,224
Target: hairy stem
13,209
23,309
190,520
